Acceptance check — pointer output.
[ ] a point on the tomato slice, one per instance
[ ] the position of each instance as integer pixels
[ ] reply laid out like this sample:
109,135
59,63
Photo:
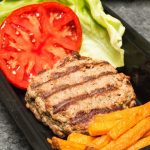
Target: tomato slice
34,37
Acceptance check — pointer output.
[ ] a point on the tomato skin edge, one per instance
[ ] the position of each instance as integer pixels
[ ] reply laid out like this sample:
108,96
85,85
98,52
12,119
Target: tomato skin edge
9,76
3,67
53,4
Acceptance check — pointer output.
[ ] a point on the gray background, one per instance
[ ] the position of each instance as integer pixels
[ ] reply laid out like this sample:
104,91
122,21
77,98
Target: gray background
136,13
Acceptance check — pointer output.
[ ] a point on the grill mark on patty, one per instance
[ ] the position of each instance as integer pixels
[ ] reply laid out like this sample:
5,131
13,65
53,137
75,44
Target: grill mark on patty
64,62
76,57
62,106
47,94
83,117
41,72
69,70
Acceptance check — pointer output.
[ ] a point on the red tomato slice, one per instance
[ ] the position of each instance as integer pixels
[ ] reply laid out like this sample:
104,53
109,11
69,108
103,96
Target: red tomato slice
34,37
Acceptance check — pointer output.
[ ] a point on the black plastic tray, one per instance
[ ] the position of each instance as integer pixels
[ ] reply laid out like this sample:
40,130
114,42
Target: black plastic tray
137,65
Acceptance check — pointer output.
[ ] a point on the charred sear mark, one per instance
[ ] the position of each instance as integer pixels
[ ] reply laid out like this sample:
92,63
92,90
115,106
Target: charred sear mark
62,106
69,70
41,72
64,62
47,94
83,117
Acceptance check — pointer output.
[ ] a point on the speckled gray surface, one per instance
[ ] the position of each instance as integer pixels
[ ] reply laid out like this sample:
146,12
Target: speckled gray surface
10,136
136,13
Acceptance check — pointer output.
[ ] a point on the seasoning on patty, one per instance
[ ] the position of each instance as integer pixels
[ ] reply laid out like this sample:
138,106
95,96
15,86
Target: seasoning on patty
66,97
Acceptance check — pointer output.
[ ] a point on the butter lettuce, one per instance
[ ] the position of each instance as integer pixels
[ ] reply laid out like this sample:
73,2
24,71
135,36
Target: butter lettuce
102,33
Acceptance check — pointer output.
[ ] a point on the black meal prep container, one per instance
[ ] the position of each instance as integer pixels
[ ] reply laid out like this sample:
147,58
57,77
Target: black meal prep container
137,66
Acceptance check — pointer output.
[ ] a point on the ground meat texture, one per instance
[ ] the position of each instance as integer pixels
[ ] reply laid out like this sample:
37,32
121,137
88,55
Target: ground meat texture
66,97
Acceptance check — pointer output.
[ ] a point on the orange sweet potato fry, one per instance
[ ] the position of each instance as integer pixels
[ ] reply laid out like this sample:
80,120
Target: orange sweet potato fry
130,137
101,124
147,134
99,142
61,144
140,144
97,128
128,122
49,141
117,115
80,138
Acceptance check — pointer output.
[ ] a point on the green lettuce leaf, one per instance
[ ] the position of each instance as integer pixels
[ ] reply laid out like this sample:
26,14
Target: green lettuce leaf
102,33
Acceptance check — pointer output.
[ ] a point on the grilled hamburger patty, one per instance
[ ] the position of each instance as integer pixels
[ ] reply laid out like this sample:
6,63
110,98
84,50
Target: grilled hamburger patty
77,88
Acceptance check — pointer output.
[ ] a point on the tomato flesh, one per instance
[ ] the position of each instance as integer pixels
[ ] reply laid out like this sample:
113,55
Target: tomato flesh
33,38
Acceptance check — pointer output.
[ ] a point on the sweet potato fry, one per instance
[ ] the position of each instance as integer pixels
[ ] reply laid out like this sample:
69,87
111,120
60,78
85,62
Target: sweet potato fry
147,134
49,141
140,144
97,128
117,115
61,144
101,124
80,138
128,122
99,142
130,137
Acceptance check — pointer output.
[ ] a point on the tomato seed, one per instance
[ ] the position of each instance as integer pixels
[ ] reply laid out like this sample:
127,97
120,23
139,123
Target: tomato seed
19,50
33,41
14,72
30,34
17,33
37,15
